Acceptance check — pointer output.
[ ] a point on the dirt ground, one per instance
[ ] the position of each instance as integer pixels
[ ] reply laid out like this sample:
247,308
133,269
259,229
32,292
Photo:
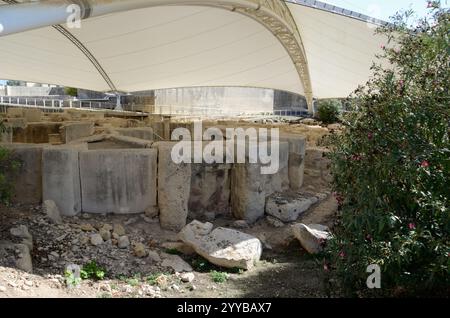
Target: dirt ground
285,269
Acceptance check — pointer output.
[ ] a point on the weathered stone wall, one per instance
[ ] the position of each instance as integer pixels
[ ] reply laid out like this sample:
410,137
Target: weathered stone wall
145,133
27,181
118,181
35,133
73,131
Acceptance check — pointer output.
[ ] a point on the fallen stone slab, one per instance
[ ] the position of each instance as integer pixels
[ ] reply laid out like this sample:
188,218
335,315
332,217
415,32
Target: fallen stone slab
145,133
288,209
22,232
24,261
176,263
312,237
22,257
52,211
221,246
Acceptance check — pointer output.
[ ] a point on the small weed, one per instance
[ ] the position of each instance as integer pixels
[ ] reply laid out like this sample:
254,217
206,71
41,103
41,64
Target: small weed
92,271
173,251
219,277
71,280
202,265
134,281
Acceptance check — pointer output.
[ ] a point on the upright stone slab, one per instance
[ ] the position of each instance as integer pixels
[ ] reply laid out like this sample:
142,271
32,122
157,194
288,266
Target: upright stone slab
297,151
210,190
250,187
61,178
210,185
27,180
248,194
174,186
317,165
279,181
121,181
74,131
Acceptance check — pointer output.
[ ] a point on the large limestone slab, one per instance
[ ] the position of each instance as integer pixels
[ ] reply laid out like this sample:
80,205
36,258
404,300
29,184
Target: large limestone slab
210,183
27,180
61,178
279,181
145,133
221,246
317,165
121,181
250,187
288,209
32,115
312,237
174,187
36,133
297,151
74,131
248,194
29,114
210,190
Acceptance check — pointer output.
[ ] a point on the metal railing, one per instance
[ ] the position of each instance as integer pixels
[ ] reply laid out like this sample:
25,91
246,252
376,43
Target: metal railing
54,104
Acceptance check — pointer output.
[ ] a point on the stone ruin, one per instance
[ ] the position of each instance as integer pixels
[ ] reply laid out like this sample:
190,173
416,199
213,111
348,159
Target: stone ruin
89,162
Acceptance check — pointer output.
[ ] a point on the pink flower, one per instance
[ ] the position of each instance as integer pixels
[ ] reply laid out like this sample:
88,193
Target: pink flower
368,237
425,164
430,4
342,254
370,136
412,226
383,46
325,267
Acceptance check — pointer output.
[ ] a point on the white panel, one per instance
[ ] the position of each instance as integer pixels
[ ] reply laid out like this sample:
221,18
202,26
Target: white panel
46,56
187,46
340,50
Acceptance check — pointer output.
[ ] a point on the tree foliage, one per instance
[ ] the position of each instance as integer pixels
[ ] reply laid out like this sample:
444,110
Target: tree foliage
391,166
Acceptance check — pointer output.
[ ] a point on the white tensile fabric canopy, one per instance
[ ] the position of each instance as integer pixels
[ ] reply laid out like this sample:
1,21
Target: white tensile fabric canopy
180,45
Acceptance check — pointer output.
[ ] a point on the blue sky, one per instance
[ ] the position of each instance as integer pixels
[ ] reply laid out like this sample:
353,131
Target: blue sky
383,9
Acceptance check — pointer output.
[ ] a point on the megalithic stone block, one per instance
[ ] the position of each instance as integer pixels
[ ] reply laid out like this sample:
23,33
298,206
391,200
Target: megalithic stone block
61,178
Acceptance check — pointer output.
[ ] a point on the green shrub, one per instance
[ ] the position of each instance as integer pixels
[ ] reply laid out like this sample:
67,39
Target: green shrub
219,277
391,168
328,111
71,91
92,271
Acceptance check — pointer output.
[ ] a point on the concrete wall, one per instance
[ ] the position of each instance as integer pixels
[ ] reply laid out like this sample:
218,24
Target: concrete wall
33,91
214,100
